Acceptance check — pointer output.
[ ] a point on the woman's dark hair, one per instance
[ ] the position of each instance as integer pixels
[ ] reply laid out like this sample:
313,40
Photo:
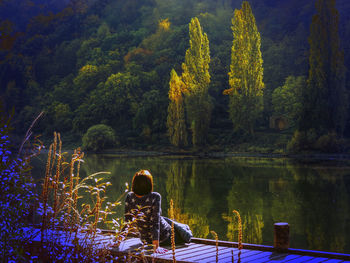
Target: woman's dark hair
142,182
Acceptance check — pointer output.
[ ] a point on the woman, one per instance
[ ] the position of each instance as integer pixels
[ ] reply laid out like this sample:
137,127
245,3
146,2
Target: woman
143,206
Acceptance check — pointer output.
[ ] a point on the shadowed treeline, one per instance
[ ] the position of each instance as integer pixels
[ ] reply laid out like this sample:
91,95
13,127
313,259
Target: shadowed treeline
107,62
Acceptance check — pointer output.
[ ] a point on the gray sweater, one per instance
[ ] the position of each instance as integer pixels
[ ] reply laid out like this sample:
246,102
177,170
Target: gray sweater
152,226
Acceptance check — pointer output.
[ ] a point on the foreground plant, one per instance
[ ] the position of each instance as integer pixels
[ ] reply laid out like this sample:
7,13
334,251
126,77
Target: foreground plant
17,192
240,234
216,244
59,208
172,230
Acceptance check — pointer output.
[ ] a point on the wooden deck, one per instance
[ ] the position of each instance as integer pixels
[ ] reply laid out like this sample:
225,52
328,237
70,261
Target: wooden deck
204,250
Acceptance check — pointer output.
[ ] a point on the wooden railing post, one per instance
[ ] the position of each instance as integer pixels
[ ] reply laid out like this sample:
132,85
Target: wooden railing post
281,236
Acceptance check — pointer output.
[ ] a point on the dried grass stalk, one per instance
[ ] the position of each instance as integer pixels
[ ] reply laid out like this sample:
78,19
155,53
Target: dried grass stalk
172,230
240,234
240,246
216,244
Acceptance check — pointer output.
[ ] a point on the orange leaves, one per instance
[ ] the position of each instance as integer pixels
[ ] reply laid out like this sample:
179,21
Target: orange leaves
228,91
135,53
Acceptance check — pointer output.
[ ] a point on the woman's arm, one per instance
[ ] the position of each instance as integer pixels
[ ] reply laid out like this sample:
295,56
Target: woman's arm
155,219
127,210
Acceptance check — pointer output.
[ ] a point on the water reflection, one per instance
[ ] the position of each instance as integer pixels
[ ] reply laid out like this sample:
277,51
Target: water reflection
312,198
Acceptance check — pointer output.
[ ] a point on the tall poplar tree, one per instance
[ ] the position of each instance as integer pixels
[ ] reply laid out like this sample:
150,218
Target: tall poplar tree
325,98
246,71
176,123
197,78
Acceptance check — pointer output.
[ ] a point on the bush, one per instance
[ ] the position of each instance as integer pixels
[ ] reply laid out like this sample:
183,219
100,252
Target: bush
99,137
310,141
16,195
329,143
297,143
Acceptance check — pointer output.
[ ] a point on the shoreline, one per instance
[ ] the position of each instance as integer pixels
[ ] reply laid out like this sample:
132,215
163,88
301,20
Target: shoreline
222,154
207,154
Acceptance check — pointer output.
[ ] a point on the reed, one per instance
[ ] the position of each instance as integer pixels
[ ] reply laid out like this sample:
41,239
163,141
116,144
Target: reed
45,193
216,244
62,187
240,234
172,230
57,175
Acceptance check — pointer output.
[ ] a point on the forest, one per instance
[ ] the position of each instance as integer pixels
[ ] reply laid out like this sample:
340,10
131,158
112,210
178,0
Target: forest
225,75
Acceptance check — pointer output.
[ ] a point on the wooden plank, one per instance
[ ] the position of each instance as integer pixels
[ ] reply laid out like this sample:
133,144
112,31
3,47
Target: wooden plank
317,260
186,255
256,257
285,258
182,251
274,257
282,257
159,260
319,254
228,257
232,244
236,257
301,259
333,261
210,253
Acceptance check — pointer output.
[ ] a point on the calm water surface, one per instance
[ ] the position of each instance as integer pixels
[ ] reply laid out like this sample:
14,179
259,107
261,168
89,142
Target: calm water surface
313,196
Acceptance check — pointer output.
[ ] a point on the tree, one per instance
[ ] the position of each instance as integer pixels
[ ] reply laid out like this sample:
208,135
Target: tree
197,78
325,98
246,71
176,114
99,137
112,102
287,99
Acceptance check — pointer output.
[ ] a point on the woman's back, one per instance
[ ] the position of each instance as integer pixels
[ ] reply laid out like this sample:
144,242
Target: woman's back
146,212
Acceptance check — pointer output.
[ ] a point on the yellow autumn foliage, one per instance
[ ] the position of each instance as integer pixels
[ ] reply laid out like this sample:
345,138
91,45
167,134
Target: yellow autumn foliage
164,24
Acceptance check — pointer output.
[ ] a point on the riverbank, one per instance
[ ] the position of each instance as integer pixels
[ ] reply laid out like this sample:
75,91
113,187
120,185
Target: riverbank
221,154
263,145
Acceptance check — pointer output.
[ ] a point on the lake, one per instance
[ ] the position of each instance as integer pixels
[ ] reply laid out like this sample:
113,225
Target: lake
312,196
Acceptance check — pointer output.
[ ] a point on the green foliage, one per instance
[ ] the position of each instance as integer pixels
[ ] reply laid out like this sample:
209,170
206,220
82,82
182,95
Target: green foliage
58,117
150,113
246,71
287,99
66,58
88,77
329,143
325,98
113,102
310,141
196,77
99,137
297,143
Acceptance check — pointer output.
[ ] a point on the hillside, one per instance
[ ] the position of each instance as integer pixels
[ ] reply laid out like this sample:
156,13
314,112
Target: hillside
109,62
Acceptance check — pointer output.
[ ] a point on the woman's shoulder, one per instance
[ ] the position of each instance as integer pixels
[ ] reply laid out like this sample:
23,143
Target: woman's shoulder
155,194
130,194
